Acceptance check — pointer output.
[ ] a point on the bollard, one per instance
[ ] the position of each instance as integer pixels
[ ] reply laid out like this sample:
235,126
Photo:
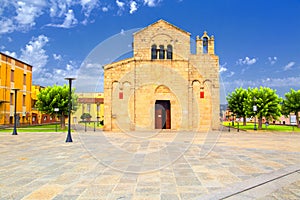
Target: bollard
85,127
94,127
229,127
238,130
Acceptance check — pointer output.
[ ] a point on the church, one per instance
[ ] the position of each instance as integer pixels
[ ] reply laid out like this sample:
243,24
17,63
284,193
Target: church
164,85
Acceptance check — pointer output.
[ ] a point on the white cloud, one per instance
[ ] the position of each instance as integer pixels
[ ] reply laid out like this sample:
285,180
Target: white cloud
133,7
88,6
69,67
222,69
122,32
69,21
35,54
23,18
57,76
120,4
59,7
272,60
104,9
274,83
7,26
57,57
151,3
288,66
28,12
246,61
12,54
22,15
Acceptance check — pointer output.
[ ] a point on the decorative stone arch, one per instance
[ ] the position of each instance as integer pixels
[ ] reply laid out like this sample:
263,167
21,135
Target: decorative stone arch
165,42
162,89
208,92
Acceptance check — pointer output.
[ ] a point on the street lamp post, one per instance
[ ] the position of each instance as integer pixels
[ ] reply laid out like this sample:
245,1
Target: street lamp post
15,114
254,110
69,137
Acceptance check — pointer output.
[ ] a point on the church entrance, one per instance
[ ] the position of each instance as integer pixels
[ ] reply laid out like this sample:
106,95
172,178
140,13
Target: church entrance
162,114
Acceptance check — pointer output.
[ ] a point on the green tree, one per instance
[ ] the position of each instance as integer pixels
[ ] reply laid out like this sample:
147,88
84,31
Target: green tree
266,101
236,103
56,97
291,104
86,116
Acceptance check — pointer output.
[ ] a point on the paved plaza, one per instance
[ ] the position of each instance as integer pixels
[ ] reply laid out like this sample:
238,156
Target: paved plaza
164,165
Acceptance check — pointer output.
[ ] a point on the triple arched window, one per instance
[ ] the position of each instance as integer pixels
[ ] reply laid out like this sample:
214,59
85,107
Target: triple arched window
161,53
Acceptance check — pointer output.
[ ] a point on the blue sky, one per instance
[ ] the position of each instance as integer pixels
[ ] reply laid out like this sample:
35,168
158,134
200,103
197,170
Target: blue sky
258,41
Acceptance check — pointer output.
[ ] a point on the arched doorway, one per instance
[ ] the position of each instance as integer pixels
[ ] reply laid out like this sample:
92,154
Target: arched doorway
162,114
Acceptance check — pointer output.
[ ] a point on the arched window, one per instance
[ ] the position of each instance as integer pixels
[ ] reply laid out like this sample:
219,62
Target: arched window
169,52
205,45
161,52
154,52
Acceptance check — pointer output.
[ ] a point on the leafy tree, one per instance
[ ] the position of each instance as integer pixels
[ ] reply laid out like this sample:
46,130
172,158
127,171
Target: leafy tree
236,103
267,103
86,116
56,97
291,104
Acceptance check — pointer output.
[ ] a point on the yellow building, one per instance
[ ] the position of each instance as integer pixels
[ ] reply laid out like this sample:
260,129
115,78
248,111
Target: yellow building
91,103
14,74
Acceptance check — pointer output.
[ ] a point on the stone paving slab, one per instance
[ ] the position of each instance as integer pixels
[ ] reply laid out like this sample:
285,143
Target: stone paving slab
150,165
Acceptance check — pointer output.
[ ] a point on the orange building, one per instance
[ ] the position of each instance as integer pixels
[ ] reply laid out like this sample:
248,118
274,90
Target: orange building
14,74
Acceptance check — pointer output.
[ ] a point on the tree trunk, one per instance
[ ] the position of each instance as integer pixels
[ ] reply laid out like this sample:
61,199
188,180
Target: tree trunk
297,119
260,123
244,121
62,122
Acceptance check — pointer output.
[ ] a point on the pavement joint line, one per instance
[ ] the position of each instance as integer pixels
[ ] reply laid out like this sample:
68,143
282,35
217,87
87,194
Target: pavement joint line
263,183
236,189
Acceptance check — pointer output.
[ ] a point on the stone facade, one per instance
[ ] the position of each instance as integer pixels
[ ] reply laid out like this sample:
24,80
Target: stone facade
163,86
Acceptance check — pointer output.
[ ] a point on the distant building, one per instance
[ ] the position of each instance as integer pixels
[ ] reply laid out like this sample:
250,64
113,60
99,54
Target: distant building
164,85
90,103
14,74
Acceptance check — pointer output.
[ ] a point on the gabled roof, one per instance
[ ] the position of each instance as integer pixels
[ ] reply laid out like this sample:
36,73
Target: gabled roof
163,21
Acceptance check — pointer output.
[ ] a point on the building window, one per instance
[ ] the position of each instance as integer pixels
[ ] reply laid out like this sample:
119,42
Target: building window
154,52
11,98
205,45
12,75
24,79
169,52
82,109
24,100
88,108
161,52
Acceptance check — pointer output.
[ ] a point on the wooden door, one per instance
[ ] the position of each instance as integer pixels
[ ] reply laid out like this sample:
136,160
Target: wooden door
162,114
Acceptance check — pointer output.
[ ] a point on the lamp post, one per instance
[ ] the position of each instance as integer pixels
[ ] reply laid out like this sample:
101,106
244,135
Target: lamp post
56,110
15,114
69,137
254,110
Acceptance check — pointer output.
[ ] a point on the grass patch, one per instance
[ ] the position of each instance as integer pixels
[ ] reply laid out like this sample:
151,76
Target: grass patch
36,128
271,127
